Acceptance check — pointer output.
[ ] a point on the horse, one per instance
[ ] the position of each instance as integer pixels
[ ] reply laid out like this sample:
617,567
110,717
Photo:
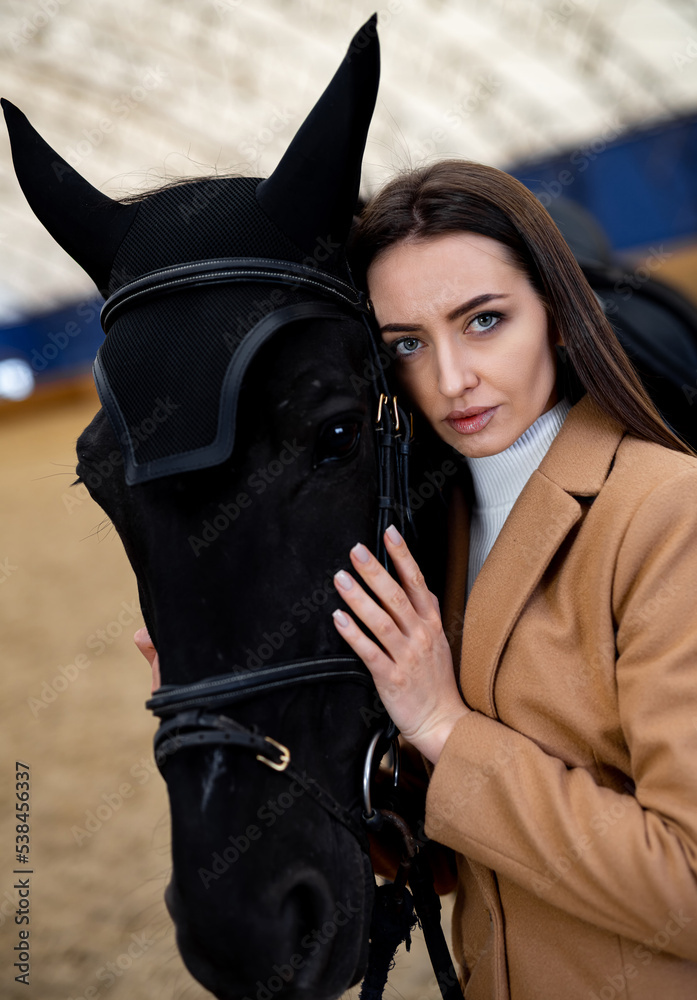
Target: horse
267,887
235,455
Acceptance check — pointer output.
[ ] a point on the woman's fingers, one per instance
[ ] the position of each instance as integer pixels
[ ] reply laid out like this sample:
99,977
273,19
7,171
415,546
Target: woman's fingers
388,677
360,643
144,643
388,628
411,662
411,576
406,603
402,618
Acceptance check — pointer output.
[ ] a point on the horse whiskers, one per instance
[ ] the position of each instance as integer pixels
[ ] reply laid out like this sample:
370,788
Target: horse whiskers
105,523
50,475
159,877
182,989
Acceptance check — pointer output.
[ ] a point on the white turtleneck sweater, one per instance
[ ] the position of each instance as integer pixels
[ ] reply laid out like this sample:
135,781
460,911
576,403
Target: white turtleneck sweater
499,479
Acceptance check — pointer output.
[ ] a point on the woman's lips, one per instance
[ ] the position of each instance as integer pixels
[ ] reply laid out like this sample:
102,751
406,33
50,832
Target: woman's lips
471,420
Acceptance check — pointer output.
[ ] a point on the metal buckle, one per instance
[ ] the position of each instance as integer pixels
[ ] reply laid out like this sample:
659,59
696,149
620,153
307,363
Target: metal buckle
285,756
391,407
383,399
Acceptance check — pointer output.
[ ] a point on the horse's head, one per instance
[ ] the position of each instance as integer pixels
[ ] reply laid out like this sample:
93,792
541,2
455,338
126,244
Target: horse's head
234,453
235,567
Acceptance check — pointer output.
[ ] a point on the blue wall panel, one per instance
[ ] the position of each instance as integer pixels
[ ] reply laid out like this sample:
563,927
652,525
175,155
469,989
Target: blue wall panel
641,186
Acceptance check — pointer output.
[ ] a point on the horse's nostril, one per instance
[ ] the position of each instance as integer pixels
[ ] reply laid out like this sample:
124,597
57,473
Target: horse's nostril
305,905
306,916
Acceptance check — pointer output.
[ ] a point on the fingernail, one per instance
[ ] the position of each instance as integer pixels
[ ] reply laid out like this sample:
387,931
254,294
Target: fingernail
343,580
340,618
393,535
360,552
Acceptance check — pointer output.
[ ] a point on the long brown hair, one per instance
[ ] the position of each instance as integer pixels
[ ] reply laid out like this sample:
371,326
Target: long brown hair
457,195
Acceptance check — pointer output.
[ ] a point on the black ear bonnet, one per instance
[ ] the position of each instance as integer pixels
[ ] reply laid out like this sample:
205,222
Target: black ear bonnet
170,369
198,275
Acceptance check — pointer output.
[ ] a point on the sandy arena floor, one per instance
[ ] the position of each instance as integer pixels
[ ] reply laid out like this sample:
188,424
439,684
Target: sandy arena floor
72,709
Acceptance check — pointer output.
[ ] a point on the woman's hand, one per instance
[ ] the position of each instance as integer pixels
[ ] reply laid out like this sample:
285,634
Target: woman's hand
414,674
144,643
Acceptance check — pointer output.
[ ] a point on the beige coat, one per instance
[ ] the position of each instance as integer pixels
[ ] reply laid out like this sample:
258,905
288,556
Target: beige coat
570,792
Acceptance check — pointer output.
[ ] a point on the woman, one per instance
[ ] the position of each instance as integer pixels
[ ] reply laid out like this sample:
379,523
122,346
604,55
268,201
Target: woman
563,766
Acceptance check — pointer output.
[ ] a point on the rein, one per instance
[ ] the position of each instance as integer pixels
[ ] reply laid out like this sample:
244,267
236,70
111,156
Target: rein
187,712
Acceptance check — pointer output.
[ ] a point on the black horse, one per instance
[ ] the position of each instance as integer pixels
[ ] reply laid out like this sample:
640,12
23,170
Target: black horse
235,455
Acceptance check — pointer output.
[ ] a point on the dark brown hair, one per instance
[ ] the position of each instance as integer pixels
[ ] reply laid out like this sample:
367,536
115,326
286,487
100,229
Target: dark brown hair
460,196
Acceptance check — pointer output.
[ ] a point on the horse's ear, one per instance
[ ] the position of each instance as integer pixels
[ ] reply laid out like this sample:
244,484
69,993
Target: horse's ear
312,193
86,223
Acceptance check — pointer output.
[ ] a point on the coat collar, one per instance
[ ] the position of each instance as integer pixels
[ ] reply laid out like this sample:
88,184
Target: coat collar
576,465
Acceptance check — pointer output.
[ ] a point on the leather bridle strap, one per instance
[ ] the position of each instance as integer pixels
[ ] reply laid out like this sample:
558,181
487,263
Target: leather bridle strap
196,729
213,730
227,689
226,270
188,725
394,433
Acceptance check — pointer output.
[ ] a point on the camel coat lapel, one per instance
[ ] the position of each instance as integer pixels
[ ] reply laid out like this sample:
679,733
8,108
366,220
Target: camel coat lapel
576,465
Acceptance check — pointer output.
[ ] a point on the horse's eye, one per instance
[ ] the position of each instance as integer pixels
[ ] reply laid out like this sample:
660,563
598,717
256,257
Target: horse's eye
337,440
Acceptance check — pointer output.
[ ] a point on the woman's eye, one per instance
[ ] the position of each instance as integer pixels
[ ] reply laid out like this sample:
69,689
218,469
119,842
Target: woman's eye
407,345
486,321
337,441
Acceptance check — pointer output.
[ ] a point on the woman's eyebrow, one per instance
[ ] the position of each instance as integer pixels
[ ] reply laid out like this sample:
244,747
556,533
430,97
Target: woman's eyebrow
478,300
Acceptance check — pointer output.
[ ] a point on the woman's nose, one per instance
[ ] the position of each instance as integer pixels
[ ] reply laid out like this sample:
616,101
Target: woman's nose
456,376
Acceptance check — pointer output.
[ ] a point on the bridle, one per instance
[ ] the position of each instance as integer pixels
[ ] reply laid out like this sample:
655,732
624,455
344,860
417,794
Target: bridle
188,711
189,719
196,715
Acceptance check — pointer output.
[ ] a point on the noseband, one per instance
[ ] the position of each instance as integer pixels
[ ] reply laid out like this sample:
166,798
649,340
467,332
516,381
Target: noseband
189,722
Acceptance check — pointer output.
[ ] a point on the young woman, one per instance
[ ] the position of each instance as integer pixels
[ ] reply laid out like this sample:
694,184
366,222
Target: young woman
563,746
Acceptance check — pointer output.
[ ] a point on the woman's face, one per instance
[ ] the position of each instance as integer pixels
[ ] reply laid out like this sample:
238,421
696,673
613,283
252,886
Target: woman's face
474,350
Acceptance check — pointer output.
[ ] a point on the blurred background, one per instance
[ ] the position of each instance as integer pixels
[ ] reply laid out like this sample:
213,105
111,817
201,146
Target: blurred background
594,101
